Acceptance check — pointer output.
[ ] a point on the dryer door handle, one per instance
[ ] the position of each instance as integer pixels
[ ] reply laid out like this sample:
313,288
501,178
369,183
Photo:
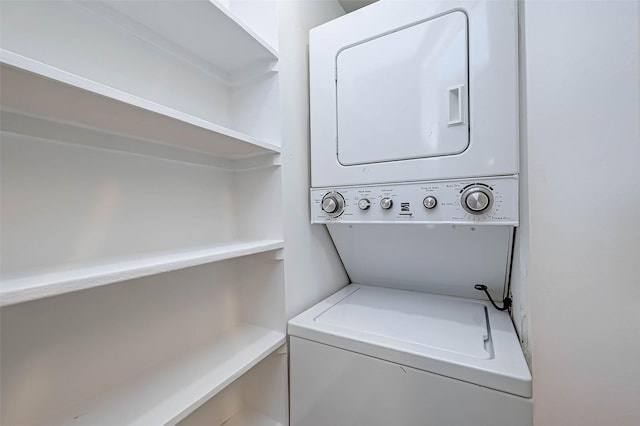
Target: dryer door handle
456,105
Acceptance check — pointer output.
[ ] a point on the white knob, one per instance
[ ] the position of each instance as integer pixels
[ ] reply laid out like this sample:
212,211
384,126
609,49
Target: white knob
364,204
386,203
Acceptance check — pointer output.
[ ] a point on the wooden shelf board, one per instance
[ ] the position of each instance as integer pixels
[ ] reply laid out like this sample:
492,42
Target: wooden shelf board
36,89
40,285
171,394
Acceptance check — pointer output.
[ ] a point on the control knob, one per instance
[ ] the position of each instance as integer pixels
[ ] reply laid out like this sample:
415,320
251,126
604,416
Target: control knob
333,204
429,202
364,204
476,199
386,203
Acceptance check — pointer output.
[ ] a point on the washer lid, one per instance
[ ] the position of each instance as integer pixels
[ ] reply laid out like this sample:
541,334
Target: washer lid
412,320
438,334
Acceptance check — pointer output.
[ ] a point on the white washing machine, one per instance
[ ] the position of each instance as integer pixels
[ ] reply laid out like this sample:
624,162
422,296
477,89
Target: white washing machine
412,342
414,157
373,356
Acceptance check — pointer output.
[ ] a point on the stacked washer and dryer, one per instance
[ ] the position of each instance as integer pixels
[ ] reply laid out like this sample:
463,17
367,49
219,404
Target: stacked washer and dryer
414,156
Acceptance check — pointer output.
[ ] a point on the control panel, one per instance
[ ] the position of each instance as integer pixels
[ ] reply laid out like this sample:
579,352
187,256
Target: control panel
463,201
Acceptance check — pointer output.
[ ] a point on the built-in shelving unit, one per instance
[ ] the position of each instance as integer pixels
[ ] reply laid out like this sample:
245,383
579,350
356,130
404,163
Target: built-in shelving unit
142,278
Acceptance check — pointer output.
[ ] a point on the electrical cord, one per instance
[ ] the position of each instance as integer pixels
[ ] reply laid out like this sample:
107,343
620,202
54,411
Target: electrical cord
506,302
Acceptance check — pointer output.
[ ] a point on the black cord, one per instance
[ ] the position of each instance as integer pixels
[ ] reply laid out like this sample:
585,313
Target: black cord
506,303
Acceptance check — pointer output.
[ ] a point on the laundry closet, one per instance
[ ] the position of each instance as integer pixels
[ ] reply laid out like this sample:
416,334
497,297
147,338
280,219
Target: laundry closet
270,213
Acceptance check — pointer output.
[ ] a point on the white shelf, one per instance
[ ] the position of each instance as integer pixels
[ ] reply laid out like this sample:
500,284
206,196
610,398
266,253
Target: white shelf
171,394
36,89
206,33
79,277
250,418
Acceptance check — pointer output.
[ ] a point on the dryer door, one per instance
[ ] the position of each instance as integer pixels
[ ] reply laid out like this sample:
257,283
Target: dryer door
404,94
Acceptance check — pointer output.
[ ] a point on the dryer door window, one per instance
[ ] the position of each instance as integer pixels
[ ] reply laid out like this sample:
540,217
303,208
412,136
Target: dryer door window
404,95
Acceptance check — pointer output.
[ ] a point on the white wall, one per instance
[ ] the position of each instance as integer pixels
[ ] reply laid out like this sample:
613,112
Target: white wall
583,140
520,291
313,269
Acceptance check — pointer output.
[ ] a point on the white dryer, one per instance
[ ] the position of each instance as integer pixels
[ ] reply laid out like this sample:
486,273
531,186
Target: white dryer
415,90
414,157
